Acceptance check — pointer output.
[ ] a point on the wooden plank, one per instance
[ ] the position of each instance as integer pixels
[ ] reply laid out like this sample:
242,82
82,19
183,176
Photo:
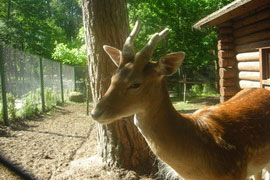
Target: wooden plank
249,84
227,82
259,36
249,66
225,30
252,19
253,28
228,91
249,56
251,46
228,62
230,11
227,73
225,54
225,46
251,76
225,38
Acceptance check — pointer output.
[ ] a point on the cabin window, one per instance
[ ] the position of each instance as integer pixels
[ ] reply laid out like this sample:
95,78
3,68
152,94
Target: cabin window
265,67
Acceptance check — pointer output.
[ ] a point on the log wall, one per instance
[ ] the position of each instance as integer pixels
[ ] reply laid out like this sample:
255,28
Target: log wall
252,30
227,62
238,43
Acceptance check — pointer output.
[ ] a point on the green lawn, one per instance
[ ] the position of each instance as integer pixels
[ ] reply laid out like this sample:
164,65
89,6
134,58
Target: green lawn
194,104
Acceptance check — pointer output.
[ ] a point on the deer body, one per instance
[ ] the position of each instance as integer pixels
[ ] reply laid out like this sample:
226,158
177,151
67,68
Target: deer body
229,141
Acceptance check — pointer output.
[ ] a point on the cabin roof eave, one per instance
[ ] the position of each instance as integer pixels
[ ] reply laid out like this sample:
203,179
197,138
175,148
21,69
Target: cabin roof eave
230,11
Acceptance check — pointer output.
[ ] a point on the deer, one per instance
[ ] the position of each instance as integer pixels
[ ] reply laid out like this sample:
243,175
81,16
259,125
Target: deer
227,141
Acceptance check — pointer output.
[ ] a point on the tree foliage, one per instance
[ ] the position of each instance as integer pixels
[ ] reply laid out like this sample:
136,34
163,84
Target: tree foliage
47,27
36,26
179,16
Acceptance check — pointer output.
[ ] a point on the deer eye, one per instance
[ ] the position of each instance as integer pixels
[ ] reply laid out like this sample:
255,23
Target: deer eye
134,86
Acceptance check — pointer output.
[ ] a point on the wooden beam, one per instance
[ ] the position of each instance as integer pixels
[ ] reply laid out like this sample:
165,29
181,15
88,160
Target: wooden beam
230,11
225,30
253,28
249,84
227,82
227,73
265,14
228,62
249,66
259,36
228,91
249,56
251,46
225,54
225,46
251,76
228,38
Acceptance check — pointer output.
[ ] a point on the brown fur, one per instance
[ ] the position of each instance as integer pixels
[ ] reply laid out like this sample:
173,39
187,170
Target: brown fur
229,141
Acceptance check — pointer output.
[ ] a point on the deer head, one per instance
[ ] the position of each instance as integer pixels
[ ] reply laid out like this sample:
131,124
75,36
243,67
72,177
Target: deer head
136,78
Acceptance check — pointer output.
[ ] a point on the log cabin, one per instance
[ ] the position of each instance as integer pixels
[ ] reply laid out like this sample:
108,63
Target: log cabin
243,28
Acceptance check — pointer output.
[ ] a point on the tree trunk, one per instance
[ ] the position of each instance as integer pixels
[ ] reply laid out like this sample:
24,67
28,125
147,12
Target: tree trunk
106,22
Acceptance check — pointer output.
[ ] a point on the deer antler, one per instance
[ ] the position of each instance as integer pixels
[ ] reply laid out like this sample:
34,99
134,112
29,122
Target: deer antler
128,52
149,48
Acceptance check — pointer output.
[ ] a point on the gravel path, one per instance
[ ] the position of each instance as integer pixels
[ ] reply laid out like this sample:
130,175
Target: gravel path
57,146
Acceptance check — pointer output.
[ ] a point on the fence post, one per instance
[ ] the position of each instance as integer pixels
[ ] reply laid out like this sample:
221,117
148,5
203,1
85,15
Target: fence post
185,87
61,82
3,85
42,85
74,78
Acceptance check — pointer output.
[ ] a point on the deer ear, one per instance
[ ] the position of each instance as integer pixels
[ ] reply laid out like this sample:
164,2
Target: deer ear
114,54
169,63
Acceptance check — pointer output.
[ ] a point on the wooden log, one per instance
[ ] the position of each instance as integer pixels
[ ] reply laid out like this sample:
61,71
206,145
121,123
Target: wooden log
227,82
259,36
251,76
225,46
249,84
225,30
259,26
223,98
267,87
251,46
227,73
228,91
249,56
225,38
249,66
225,24
252,19
228,62
225,54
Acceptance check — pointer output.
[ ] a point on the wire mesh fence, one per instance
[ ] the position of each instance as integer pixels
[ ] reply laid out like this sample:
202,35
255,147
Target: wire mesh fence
31,84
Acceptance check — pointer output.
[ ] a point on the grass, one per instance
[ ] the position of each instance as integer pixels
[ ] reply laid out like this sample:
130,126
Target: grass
180,106
195,103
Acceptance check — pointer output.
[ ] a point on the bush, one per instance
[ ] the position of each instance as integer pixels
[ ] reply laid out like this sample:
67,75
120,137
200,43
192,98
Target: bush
203,90
10,107
76,97
51,98
30,104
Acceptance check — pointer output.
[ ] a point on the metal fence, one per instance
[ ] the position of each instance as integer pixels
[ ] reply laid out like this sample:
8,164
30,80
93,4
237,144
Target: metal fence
31,84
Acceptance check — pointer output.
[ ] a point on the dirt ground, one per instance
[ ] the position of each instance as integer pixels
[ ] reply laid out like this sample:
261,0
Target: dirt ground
57,146
61,145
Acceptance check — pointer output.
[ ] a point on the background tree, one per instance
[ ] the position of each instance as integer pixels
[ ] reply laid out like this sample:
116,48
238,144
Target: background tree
179,16
106,22
39,27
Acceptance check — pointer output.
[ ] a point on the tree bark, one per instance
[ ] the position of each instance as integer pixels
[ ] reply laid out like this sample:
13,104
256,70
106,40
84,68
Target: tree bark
106,22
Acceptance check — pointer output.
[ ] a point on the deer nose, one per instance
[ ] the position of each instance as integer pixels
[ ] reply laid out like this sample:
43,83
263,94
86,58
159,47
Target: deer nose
95,113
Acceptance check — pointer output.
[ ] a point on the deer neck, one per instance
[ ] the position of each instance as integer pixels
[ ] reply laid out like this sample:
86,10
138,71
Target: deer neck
162,126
